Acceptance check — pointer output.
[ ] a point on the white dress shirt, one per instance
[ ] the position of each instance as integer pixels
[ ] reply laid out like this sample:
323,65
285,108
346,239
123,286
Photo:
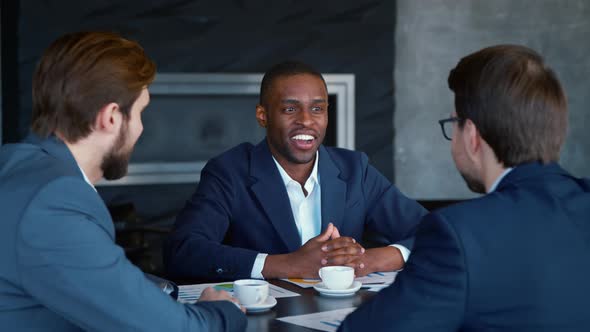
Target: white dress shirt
307,212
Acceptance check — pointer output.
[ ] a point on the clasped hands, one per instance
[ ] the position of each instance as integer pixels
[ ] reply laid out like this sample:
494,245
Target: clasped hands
329,248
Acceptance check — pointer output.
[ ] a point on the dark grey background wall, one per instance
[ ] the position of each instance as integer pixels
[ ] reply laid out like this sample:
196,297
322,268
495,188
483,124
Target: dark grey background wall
221,36
210,36
411,42
236,36
431,36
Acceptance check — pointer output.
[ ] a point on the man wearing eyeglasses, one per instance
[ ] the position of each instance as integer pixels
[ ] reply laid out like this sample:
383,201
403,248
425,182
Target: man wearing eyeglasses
515,259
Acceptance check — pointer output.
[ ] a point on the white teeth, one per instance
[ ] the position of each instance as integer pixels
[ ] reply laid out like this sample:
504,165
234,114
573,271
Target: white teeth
303,137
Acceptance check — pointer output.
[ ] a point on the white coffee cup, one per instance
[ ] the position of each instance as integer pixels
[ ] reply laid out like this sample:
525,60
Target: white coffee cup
337,277
250,291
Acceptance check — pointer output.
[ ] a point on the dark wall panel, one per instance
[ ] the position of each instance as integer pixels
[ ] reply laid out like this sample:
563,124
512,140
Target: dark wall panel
345,36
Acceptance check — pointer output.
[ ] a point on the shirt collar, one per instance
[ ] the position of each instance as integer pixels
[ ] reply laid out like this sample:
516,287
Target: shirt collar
86,178
499,178
286,178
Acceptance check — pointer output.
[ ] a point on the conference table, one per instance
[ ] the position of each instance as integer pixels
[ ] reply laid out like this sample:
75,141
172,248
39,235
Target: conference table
309,302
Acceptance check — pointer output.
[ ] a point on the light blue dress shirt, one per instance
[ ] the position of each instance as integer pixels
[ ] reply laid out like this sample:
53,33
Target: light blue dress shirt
307,212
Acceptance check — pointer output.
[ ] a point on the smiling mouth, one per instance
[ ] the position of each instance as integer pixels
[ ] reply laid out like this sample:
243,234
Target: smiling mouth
301,137
303,141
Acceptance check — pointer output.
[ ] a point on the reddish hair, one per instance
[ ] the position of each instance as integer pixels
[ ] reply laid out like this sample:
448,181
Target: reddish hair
82,72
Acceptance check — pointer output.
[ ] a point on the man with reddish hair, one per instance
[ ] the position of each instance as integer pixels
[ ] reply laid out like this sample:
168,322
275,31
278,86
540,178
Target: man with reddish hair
61,269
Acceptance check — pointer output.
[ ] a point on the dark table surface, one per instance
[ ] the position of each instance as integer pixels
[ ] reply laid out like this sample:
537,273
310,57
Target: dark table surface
309,302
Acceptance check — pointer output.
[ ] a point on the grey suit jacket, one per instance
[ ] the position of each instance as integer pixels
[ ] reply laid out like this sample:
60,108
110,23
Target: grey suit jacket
61,269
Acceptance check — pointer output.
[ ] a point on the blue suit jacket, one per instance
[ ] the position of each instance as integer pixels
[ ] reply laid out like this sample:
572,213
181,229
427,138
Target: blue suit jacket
241,208
517,259
62,271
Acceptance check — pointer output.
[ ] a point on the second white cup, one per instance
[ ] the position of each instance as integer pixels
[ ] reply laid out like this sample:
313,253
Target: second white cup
337,277
251,291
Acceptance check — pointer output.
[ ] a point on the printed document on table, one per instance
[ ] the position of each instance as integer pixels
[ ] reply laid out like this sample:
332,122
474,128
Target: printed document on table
191,293
378,279
323,321
372,280
304,283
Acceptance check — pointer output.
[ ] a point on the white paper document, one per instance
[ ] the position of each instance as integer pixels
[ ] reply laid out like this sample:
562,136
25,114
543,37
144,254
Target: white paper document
191,293
323,321
375,280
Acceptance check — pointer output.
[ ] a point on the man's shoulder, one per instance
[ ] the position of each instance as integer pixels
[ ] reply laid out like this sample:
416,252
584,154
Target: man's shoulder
474,210
236,154
30,162
342,152
350,165
25,169
31,179
15,153
497,209
232,162
344,158
464,206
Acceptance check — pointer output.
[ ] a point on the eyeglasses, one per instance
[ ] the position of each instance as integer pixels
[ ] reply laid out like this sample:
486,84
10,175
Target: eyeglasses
446,125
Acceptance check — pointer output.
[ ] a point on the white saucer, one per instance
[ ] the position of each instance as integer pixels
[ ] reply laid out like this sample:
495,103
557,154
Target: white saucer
260,307
338,292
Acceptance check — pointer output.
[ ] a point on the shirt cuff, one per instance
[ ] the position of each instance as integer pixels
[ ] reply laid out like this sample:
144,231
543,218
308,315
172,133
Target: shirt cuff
403,250
259,265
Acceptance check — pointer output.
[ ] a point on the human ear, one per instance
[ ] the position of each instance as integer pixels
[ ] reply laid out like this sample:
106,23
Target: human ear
472,139
261,116
109,118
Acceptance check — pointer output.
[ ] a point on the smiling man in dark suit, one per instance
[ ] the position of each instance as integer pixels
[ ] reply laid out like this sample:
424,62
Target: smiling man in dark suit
515,259
289,205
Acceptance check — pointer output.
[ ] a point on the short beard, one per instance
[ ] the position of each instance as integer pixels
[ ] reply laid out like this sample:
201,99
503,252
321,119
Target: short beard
116,161
473,184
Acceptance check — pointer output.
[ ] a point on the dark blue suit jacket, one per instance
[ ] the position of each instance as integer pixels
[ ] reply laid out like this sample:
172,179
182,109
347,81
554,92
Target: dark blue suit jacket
60,268
517,259
241,208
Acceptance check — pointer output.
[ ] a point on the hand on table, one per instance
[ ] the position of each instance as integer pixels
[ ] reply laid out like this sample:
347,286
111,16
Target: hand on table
379,259
345,251
210,294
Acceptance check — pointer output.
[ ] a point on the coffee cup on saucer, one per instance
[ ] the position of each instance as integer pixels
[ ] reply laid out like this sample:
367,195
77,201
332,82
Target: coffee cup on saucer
337,277
251,291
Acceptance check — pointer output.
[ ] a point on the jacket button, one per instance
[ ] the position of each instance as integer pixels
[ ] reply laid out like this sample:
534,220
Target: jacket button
219,271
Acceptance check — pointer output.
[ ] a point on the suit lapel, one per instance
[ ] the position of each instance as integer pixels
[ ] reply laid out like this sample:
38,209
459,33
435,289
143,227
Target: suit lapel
333,190
270,191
